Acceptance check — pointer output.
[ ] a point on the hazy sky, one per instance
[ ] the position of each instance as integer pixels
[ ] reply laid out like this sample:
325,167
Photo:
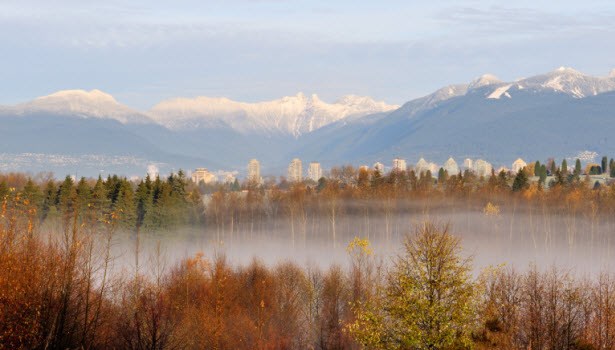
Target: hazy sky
143,51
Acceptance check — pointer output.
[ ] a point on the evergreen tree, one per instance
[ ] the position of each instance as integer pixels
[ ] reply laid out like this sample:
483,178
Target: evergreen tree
100,199
145,200
83,195
560,179
503,180
612,167
412,180
604,164
112,185
553,167
595,170
520,182
442,176
235,186
31,192
49,205
426,180
577,169
124,205
67,196
537,168
152,218
493,180
564,167
543,174
164,208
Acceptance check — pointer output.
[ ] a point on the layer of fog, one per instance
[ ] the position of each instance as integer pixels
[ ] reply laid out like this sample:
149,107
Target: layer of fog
583,245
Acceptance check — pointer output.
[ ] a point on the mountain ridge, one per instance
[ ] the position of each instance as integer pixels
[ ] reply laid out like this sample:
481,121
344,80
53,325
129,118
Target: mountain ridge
564,111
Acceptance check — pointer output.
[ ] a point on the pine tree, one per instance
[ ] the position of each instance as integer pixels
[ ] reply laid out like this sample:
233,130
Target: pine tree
543,174
32,193
442,176
560,179
577,169
520,182
553,167
604,164
537,168
236,186
612,167
100,199
145,200
113,188
564,167
503,180
83,195
49,205
67,197
124,205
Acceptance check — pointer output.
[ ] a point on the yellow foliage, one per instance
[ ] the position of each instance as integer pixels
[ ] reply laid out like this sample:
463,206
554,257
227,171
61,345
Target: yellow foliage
359,246
491,209
531,192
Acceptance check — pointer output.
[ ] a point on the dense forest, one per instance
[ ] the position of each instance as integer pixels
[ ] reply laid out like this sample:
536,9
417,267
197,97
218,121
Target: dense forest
59,287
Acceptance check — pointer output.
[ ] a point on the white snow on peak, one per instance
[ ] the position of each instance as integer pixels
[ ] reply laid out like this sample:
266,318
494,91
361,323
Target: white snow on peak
92,95
94,103
567,70
571,82
291,114
612,74
484,80
499,92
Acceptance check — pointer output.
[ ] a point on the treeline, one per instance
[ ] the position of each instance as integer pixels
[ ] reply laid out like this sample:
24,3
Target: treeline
310,209
149,204
61,294
360,200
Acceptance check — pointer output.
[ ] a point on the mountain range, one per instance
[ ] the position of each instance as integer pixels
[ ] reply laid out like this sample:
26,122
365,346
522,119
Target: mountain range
557,114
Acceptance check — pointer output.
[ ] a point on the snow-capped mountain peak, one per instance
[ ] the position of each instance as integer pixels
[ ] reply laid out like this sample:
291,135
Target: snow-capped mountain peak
484,80
612,74
563,80
82,95
294,115
94,103
568,70
571,82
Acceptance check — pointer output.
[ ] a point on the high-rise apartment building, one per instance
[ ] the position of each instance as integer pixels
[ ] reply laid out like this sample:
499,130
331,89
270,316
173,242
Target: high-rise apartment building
399,164
451,167
295,171
203,175
254,171
314,171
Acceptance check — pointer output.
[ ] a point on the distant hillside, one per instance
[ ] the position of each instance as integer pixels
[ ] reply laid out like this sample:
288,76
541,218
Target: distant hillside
559,114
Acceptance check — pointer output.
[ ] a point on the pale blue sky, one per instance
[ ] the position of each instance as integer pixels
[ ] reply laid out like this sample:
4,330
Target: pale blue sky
146,50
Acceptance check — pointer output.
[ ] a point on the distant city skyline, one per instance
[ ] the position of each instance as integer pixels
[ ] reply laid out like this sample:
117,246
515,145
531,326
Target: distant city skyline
146,51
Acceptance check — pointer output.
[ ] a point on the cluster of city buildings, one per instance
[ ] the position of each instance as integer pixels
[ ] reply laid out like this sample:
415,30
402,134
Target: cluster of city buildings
314,172
207,177
294,174
479,167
